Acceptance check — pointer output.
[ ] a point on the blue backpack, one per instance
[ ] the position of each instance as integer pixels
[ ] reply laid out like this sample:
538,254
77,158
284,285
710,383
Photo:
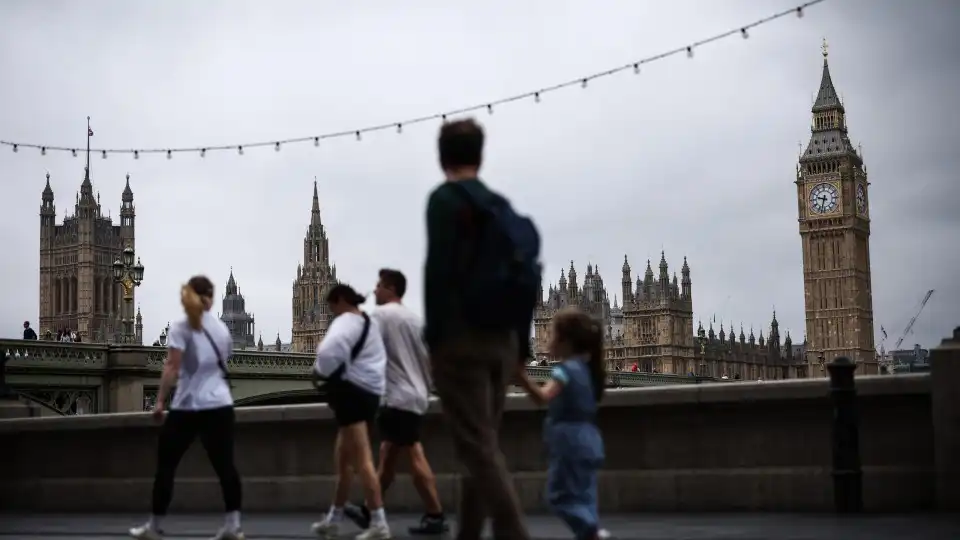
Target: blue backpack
500,268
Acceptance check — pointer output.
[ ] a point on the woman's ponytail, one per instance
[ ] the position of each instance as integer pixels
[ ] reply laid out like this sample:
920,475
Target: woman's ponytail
192,306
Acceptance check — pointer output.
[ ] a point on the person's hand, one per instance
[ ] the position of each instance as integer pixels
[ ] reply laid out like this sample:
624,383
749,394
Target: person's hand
158,413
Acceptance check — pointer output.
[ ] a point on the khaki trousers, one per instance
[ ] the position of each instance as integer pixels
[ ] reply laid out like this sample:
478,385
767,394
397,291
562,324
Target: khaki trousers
471,374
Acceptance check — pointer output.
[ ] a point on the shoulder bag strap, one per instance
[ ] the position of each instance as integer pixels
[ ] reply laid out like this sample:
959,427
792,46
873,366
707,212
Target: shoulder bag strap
220,360
358,346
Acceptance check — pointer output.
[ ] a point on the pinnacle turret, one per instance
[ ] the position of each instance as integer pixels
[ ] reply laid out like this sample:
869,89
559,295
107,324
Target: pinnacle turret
315,209
127,195
47,191
231,284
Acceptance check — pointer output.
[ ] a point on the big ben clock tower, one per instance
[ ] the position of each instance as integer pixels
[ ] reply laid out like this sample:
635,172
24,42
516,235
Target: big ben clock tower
834,219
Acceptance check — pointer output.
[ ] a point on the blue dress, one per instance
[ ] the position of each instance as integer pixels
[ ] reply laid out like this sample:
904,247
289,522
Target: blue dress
575,449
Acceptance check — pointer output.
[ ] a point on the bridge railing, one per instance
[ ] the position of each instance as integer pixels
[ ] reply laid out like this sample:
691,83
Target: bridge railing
24,357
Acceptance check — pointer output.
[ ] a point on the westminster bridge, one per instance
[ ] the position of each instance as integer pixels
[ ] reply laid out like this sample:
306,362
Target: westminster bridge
80,378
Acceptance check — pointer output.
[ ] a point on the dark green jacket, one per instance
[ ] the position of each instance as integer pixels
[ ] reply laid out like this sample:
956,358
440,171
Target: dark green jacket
446,211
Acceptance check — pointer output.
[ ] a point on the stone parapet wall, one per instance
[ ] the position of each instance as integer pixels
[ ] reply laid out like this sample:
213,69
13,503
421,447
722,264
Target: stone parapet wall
720,447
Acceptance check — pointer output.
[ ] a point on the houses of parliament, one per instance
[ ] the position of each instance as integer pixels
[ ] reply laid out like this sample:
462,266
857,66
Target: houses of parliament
653,329
649,327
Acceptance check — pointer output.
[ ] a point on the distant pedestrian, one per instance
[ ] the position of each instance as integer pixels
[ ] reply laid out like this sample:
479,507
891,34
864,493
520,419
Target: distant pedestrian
573,441
66,337
198,348
481,279
353,361
28,332
406,401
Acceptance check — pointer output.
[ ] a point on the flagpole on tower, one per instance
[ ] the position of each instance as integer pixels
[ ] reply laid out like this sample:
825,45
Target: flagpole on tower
89,134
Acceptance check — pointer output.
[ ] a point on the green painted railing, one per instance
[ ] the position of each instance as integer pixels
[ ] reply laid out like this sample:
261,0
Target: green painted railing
48,357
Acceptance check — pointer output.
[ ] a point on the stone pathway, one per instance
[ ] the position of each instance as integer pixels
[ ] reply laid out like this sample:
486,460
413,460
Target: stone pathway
625,527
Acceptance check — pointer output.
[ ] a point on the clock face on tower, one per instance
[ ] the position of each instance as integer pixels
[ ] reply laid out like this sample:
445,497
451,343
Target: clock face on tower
824,198
861,199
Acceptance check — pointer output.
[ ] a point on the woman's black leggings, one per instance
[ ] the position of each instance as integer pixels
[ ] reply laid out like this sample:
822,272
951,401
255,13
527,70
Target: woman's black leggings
215,428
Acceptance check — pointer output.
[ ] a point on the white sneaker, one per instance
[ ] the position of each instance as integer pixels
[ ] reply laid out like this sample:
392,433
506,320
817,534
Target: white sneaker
326,528
146,532
226,533
376,532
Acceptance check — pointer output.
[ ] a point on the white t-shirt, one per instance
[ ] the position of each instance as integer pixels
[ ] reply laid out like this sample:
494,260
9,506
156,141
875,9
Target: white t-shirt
201,385
367,369
408,363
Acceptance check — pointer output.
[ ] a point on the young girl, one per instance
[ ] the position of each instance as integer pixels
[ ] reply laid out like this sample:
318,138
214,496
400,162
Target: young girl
573,441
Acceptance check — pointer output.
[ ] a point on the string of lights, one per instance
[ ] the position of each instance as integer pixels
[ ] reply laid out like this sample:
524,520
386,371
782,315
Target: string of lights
534,95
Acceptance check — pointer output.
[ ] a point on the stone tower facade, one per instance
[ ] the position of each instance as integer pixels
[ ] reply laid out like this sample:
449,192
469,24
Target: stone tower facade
234,315
77,290
833,202
315,277
653,328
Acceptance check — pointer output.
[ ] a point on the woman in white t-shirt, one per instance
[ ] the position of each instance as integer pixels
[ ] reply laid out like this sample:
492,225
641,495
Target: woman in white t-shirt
197,351
353,361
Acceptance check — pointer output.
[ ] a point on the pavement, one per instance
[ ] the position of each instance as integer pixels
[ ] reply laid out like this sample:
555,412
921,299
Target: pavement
624,527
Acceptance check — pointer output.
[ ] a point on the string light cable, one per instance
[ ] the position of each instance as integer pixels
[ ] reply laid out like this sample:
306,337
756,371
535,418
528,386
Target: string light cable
534,95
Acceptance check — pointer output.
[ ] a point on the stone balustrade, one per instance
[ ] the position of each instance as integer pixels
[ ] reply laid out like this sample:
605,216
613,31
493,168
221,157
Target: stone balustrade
737,446
752,446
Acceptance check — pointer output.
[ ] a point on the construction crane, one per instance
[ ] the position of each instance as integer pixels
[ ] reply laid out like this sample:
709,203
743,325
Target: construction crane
913,320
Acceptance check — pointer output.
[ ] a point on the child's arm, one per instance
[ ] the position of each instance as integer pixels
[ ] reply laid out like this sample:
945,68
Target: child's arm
543,394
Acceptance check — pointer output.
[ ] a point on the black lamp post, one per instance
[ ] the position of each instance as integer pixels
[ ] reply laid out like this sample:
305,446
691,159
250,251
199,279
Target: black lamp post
129,275
703,356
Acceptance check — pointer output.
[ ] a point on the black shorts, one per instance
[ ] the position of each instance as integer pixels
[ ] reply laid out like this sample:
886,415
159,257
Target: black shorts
351,404
399,427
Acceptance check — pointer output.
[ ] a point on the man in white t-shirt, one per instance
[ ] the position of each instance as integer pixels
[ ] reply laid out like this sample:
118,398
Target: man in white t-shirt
405,402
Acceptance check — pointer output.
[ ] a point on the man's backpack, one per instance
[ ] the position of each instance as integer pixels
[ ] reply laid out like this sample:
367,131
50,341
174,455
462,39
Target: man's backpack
500,268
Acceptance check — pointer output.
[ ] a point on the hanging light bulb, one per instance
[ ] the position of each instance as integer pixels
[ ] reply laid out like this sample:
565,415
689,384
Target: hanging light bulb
399,128
316,141
743,32
800,12
169,154
104,154
536,97
358,135
43,150
443,118
276,147
136,154
240,150
15,148
690,52
490,109
73,152
203,152
583,83
636,68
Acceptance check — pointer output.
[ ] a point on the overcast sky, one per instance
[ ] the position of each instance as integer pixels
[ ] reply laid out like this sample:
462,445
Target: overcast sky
695,157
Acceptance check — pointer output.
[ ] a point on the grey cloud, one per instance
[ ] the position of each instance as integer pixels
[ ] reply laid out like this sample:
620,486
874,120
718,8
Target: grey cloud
695,157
